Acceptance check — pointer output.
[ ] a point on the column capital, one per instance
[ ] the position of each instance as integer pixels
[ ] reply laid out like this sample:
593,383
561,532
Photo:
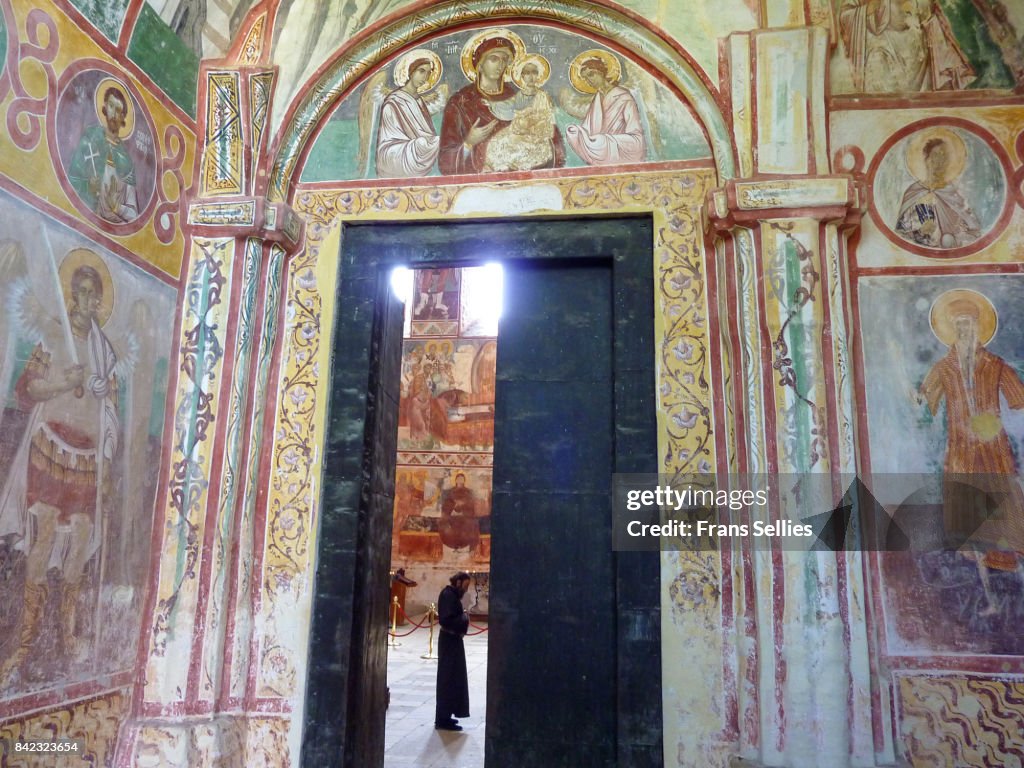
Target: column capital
247,217
747,202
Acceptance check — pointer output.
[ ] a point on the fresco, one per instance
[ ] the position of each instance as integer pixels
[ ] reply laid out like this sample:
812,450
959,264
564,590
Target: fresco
446,427
106,149
447,400
942,375
442,515
84,372
898,46
519,98
940,190
106,15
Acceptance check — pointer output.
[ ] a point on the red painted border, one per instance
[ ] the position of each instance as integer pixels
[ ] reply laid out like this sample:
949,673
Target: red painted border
749,720
778,585
730,729
923,100
131,16
996,228
990,268
37,705
47,208
482,179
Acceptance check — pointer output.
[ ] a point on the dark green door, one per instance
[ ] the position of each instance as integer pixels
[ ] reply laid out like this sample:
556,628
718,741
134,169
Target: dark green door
574,662
551,674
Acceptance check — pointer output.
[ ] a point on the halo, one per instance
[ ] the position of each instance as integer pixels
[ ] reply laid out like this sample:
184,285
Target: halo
543,69
401,71
469,68
129,111
957,154
83,257
941,318
576,73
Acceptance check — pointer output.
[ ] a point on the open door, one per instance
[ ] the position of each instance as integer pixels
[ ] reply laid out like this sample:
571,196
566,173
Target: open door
574,662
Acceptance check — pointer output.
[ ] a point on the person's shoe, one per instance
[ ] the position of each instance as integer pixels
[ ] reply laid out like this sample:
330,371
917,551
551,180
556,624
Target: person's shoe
449,726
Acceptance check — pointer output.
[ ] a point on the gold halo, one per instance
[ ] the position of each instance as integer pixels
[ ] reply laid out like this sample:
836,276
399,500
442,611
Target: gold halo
401,70
942,321
576,69
79,257
543,65
915,154
469,68
129,111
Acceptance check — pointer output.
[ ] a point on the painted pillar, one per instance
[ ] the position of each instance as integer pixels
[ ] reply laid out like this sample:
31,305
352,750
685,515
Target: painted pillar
803,686
196,701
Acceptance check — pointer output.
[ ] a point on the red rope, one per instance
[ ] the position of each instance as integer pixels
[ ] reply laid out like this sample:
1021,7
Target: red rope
404,634
418,626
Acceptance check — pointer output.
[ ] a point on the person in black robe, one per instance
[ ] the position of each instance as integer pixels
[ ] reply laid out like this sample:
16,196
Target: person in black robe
452,679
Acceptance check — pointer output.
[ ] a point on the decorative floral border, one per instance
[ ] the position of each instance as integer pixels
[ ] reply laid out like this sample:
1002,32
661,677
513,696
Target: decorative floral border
686,437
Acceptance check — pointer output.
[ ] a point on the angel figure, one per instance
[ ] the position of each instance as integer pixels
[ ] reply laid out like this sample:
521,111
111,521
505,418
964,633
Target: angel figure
407,142
612,129
59,491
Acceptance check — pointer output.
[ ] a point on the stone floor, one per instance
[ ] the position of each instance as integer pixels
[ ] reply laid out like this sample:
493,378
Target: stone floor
410,740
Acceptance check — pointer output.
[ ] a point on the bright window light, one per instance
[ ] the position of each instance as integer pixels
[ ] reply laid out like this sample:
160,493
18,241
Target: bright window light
482,293
401,283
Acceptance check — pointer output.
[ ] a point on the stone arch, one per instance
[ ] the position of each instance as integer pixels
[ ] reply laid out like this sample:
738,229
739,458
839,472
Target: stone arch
631,33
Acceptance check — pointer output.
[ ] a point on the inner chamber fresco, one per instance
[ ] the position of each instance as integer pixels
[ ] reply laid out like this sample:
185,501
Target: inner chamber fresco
446,433
555,99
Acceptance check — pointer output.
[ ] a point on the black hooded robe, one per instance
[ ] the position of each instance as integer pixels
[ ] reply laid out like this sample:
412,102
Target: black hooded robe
452,680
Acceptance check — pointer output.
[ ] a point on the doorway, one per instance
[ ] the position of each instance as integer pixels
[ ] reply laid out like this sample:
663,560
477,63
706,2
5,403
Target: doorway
587,646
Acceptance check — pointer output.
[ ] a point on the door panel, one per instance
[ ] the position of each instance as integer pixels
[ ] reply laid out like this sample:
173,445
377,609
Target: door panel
552,697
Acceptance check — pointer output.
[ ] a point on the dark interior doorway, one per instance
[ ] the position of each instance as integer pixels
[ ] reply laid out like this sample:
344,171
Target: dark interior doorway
574,672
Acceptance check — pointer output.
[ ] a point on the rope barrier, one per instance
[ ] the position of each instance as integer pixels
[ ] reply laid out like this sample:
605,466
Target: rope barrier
428,617
410,620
